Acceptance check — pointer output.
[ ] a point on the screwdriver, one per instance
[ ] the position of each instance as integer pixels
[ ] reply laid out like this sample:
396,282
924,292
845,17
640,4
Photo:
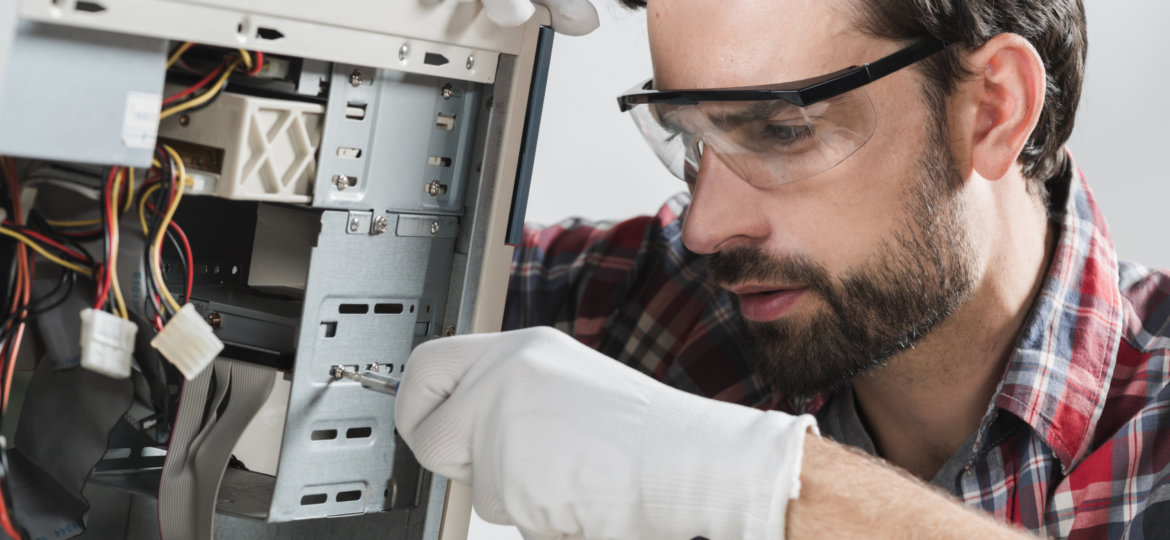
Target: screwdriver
369,379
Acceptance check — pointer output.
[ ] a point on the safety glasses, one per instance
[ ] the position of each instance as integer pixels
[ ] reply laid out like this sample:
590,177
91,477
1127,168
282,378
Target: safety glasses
767,135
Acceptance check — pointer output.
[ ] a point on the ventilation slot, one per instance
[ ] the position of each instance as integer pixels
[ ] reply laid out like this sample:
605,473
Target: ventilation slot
358,433
439,161
89,7
388,309
355,111
353,309
316,498
434,59
330,329
324,434
347,496
270,34
348,152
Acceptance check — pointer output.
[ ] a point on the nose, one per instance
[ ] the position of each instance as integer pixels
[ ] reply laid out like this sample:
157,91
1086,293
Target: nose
725,210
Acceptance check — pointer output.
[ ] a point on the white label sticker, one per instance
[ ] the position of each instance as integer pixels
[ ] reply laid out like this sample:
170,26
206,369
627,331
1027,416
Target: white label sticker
140,125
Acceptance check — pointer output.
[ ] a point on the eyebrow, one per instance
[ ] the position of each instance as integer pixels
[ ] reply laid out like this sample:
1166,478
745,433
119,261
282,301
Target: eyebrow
749,113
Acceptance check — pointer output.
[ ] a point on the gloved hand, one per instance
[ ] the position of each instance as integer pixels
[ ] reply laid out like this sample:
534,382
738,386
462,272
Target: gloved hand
569,17
560,440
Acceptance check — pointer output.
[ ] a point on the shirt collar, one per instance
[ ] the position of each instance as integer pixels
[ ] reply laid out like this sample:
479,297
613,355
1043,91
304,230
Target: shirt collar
1057,378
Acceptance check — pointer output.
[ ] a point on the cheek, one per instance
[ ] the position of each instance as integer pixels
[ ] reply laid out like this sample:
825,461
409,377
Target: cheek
840,217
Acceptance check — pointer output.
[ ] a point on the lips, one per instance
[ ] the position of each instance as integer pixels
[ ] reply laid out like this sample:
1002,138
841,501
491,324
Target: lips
763,304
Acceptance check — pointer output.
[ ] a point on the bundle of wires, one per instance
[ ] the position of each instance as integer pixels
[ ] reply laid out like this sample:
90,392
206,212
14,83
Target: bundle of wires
158,198
200,94
32,239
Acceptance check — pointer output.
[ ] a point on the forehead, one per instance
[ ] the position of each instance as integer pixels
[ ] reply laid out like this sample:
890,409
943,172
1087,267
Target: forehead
729,43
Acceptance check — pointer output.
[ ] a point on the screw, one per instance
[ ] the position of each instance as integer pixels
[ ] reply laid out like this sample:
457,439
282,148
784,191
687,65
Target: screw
353,224
449,331
434,227
184,120
337,371
380,225
470,62
403,51
448,91
340,181
435,188
373,367
214,319
355,78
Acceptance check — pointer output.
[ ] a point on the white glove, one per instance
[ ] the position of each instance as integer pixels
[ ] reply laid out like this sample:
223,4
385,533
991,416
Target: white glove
560,440
569,17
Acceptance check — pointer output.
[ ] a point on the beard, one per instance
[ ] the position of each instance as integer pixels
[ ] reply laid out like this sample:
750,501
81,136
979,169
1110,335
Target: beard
912,282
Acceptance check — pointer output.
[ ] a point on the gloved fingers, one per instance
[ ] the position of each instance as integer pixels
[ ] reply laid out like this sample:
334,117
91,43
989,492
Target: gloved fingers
441,442
487,503
572,17
529,535
508,12
433,371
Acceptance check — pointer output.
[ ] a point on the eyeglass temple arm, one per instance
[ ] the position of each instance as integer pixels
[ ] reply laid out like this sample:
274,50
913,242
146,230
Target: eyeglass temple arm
905,57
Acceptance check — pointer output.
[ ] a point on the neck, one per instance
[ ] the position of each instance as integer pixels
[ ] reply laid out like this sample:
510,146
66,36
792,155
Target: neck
922,406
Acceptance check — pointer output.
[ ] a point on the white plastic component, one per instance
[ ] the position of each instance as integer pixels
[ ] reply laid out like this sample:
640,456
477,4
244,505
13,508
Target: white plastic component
188,342
107,343
250,148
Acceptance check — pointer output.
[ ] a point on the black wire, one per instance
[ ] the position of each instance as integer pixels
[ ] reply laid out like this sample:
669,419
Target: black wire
196,95
37,222
182,262
67,277
105,228
164,310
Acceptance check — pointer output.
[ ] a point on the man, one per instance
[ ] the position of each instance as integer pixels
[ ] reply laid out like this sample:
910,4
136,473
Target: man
905,251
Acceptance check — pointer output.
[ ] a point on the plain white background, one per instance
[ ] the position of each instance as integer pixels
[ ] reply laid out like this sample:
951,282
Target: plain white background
592,163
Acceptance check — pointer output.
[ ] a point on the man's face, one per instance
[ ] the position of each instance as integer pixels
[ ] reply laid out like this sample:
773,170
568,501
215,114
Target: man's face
836,273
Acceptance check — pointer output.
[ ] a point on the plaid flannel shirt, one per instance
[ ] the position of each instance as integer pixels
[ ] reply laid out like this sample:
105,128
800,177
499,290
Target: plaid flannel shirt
1076,441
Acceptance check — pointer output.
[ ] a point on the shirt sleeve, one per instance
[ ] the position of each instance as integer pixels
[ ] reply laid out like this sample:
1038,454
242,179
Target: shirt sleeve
573,275
632,291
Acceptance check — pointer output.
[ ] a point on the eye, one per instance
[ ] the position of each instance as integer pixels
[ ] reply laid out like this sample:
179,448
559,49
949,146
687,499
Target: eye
786,134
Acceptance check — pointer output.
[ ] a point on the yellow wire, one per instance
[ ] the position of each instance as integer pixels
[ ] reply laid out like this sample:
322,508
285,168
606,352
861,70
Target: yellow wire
74,223
178,52
130,186
205,96
247,58
36,247
162,229
119,301
142,205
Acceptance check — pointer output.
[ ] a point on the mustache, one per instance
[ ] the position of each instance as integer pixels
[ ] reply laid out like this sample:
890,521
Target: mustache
754,264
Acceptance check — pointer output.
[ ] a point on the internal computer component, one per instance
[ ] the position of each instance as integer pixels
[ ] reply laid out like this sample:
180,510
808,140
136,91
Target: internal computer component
232,208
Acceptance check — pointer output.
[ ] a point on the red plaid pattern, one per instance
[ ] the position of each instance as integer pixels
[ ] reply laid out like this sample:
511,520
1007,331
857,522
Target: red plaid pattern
1076,443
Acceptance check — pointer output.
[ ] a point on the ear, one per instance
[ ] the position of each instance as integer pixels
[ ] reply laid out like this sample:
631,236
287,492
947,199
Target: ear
1008,89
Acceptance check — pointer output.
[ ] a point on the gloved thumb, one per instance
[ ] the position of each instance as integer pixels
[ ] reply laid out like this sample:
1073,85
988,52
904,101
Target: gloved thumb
508,13
535,536
572,17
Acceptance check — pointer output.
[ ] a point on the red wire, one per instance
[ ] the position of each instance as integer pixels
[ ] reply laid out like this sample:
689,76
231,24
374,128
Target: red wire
53,244
259,65
196,86
104,278
19,302
190,259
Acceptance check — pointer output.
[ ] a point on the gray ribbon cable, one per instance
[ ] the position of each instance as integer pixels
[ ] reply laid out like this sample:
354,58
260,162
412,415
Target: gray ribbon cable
250,386
203,443
174,489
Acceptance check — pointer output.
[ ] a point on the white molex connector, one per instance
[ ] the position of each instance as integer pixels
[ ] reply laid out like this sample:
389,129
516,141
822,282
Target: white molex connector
107,343
188,342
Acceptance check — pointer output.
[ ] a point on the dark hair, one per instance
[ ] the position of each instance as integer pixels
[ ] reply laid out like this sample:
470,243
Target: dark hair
1055,27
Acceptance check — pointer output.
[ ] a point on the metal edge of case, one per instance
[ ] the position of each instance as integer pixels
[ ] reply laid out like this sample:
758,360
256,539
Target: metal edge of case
395,35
